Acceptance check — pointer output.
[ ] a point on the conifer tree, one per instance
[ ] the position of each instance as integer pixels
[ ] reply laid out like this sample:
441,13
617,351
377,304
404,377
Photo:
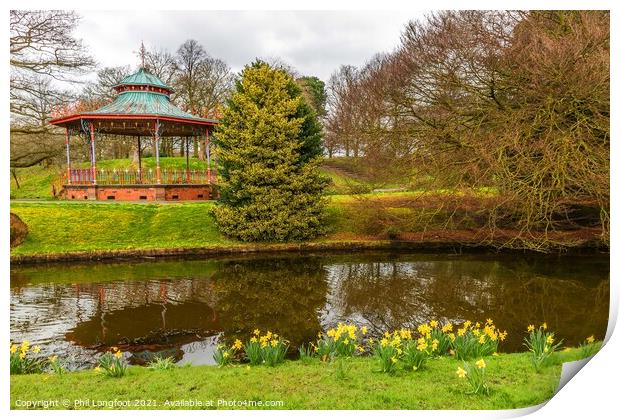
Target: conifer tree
269,147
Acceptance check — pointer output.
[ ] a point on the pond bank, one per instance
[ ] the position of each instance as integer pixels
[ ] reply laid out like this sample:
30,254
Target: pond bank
266,248
300,385
60,231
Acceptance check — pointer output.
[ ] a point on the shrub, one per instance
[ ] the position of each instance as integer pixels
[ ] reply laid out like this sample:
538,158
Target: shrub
21,361
476,377
540,343
112,365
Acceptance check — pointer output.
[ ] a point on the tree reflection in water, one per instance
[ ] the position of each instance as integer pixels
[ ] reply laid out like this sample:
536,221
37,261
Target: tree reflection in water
165,305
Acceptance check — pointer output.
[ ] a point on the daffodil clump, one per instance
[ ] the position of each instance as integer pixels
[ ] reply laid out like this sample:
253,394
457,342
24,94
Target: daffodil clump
224,355
112,364
269,349
388,351
56,365
24,359
589,347
346,340
476,376
162,363
541,343
473,340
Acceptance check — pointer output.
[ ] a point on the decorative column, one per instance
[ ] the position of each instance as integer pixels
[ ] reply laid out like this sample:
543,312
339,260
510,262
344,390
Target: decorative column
187,159
157,169
93,158
208,154
139,160
68,155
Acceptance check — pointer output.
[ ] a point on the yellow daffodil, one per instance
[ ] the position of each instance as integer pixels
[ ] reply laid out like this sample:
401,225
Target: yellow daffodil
52,358
447,328
530,328
590,339
489,321
466,324
238,344
36,349
24,347
502,335
495,354
118,354
97,369
451,336
480,364
550,339
544,326
482,339
546,349
114,349
253,340
424,329
13,348
434,324
394,359
384,342
257,332
364,330
461,373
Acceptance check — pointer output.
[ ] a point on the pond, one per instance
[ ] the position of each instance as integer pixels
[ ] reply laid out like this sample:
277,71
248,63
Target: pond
183,308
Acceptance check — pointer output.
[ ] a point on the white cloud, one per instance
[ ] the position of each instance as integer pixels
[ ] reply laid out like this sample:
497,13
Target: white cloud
314,42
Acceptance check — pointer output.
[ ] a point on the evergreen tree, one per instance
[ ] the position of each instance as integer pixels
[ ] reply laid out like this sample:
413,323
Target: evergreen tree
269,144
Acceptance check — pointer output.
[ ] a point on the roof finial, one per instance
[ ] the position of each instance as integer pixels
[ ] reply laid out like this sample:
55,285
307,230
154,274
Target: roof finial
142,53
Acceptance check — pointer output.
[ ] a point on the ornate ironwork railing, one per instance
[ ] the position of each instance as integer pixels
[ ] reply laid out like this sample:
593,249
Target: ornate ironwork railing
147,176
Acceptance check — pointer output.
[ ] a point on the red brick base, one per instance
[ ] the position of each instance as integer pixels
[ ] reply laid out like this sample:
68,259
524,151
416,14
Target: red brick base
140,192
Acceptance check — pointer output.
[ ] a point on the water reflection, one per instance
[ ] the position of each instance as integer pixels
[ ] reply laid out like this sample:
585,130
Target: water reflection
182,308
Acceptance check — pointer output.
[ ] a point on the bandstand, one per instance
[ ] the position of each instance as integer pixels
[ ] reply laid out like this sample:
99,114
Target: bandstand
142,109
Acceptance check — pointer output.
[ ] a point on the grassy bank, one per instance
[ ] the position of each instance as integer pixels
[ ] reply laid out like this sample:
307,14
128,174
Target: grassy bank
309,385
58,227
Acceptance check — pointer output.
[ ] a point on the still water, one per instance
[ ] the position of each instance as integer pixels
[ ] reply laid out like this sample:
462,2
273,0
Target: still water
182,308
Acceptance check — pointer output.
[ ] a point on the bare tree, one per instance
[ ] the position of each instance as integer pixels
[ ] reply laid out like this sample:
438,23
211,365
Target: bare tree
42,49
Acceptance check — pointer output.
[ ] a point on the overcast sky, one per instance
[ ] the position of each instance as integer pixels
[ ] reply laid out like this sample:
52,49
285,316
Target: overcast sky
314,42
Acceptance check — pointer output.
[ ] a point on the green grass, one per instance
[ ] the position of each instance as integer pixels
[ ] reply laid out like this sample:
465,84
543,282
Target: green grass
35,182
69,226
309,385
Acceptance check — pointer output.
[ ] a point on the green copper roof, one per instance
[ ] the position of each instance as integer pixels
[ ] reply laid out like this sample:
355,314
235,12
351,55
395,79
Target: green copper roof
144,103
143,77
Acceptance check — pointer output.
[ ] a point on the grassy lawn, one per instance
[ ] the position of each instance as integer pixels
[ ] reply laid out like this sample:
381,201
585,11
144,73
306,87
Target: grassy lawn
69,227
310,385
